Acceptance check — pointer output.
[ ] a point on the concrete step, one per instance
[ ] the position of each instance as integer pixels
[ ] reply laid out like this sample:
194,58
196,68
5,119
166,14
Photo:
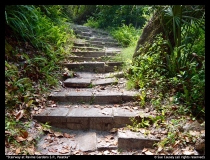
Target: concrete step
106,44
135,140
86,117
84,48
77,82
97,67
87,83
95,76
95,53
93,96
92,142
83,44
91,59
102,39
90,53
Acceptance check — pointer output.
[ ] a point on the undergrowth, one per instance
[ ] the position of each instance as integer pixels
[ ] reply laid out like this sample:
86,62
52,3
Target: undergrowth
37,38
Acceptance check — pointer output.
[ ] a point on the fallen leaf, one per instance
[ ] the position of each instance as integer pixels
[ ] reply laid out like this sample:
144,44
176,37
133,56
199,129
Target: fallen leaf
36,108
48,130
106,152
63,151
115,143
75,152
66,147
202,131
20,139
149,153
144,150
31,150
52,150
160,149
66,135
29,103
29,139
142,130
194,133
58,134
17,151
176,143
188,153
37,153
113,130
135,108
24,134
19,115
146,110
114,151
126,107
7,132
164,132
6,143
53,105
187,139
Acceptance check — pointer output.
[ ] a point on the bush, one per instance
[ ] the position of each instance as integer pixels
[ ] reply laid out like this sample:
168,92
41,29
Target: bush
126,35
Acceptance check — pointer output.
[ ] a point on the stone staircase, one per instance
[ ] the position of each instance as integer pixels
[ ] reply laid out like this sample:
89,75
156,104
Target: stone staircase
95,104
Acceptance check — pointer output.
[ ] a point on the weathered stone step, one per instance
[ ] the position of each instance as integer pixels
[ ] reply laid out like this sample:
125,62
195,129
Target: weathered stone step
93,59
95,53
135,140
85,117
85,82
106,39
97,67
79,28
77,82
91,75
91,142
91,96
84,44
89,53
104,43
84,48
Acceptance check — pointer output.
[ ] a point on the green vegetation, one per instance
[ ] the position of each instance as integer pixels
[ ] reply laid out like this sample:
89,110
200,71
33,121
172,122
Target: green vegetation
36,39
178,68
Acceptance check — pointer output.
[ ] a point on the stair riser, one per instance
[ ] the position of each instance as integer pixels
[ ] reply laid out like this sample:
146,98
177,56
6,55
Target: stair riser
97,68
82,44
89,54
103,40
133,143
90,59
93,99
86,49
86,123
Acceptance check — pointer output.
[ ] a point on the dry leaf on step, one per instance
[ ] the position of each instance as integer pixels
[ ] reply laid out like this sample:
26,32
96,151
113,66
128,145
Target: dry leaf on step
63,151
20,139
58,134
19,115
52,150
17,151
113,130
149,153
66,135
24,134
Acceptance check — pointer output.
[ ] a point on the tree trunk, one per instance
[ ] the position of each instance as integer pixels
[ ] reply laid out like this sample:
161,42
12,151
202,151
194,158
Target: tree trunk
152,28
